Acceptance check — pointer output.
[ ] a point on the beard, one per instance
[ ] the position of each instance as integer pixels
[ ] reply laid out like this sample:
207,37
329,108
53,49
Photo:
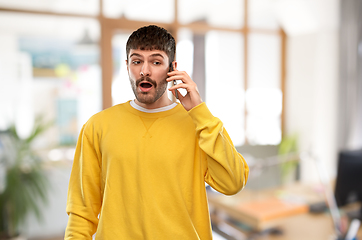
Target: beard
151,96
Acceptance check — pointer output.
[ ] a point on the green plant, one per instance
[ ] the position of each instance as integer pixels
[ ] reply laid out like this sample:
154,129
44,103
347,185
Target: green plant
288,145
25,182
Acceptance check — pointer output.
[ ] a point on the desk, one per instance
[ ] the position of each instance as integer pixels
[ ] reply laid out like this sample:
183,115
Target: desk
298,225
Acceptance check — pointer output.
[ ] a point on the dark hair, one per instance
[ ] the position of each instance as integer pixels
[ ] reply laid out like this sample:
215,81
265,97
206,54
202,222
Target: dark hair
152,38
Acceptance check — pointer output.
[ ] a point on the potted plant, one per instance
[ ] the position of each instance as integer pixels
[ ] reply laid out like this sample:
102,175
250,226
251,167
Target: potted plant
24,183
289,146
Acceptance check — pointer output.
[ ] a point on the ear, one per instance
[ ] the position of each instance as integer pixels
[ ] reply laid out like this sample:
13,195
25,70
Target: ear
174,63
127,64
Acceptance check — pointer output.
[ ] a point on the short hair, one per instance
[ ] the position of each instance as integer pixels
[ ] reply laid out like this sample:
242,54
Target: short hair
152,38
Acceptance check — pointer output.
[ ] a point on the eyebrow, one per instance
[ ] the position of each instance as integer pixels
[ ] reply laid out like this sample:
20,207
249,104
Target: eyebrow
157,55
153,55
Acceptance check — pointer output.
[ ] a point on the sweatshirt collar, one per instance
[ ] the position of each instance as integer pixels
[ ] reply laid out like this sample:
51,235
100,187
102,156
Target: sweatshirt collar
156,110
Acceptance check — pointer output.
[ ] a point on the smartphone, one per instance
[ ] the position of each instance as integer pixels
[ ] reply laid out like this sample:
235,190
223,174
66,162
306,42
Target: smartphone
174,81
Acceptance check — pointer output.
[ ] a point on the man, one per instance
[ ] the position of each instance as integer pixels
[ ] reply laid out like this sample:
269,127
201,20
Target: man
140,167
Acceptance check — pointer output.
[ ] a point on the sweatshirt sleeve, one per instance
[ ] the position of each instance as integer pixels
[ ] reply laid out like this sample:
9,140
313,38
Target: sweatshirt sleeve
227,170
84,194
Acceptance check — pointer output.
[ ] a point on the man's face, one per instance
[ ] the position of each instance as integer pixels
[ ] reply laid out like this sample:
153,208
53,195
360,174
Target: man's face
147,71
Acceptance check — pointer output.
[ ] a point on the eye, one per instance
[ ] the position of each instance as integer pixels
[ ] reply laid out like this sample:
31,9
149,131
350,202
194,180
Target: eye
135,62
157,63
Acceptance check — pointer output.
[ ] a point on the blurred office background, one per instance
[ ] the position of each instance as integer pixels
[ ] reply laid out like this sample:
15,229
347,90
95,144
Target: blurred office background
271,70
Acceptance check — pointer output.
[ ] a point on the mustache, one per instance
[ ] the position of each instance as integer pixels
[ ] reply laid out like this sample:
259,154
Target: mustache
147,79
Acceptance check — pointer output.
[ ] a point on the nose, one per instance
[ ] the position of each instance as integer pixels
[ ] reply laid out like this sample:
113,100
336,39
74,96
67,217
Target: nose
145,70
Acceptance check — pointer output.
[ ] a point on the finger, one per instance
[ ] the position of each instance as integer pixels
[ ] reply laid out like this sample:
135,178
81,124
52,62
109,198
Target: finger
180,85
182,78
171,74
177,73
170,79
177,96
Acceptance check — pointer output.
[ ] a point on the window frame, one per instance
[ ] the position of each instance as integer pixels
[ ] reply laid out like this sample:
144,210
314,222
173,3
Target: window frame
109,26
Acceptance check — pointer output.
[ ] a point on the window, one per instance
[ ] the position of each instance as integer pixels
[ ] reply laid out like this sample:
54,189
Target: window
140,10
86,7
264,98
225,92
212,12
233,49
49,67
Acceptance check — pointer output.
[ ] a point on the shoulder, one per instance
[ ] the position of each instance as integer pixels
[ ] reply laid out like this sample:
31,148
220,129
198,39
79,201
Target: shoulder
106,116
181,117
201,115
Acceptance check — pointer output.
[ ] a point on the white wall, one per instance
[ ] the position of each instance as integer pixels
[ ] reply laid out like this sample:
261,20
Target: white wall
312,80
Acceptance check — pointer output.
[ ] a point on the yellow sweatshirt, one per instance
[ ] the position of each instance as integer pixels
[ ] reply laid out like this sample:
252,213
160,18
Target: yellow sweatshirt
140,175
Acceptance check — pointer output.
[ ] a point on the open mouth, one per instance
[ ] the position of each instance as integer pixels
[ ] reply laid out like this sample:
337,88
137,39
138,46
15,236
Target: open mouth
145,86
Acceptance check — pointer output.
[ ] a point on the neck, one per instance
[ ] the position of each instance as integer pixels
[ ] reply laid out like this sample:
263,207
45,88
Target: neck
161,102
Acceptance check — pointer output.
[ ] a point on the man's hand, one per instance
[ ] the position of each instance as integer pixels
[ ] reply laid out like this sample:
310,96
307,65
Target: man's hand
192,98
